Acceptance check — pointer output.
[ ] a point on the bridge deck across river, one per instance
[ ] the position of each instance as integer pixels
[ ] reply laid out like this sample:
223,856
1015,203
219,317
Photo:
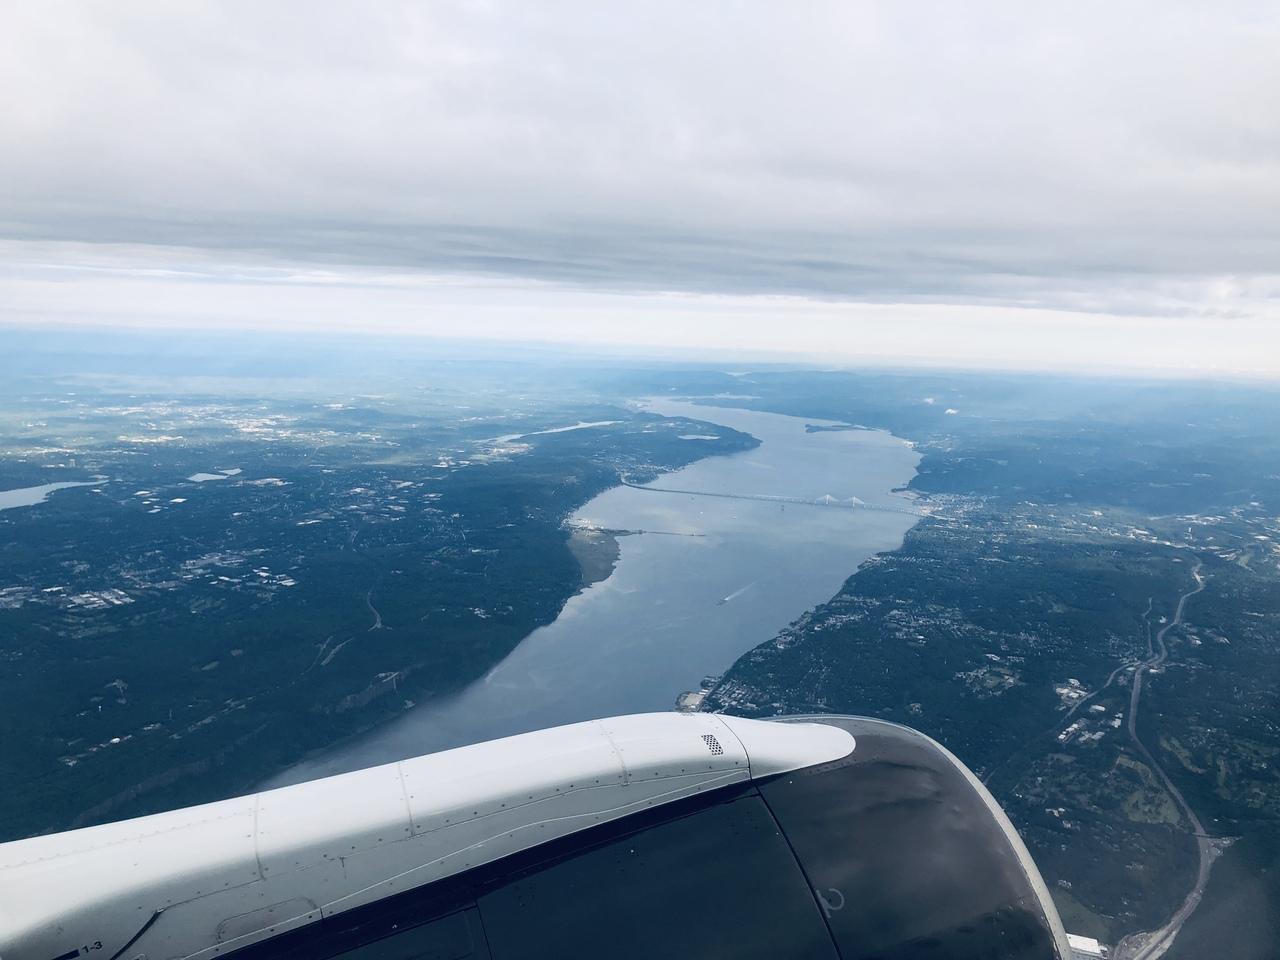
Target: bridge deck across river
852,503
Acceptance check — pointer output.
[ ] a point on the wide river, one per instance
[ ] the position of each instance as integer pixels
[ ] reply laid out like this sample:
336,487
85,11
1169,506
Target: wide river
708,580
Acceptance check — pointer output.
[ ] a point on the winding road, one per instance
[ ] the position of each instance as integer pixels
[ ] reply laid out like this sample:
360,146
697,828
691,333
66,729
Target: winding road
377,617
1152,944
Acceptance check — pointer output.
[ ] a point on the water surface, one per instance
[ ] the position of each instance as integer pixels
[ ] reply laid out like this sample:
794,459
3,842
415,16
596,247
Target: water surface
29,496
708,579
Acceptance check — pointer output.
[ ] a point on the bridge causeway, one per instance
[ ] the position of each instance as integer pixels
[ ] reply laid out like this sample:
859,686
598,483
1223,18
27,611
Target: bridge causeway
852,503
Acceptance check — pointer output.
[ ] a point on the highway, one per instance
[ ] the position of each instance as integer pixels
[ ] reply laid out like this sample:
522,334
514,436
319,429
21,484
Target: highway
1151,944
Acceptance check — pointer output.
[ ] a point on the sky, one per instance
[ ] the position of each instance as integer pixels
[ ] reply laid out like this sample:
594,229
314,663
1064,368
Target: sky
1061,185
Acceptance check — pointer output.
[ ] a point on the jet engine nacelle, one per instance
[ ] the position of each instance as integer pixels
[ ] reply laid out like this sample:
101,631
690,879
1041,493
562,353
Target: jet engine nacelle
656,835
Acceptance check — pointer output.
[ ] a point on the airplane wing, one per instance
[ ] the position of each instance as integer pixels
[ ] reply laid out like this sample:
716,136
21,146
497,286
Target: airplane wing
657,835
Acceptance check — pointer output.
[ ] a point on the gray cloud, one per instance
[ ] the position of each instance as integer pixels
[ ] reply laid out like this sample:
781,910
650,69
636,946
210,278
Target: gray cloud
1085,156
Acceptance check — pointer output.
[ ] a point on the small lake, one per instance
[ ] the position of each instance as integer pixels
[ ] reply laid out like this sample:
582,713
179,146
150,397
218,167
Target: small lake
29,496
708,580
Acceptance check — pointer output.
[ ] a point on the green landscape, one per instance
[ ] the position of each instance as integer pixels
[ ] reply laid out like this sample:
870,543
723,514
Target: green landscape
252,574
1067,520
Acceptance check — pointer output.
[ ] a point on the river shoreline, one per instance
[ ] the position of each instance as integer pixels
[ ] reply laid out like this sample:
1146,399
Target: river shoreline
596,550
749,542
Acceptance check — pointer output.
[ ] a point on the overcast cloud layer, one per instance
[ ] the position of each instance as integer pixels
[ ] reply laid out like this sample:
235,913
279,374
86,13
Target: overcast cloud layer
1104,160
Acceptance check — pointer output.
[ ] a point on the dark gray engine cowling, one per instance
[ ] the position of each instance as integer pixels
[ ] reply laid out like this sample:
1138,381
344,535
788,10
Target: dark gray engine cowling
909,854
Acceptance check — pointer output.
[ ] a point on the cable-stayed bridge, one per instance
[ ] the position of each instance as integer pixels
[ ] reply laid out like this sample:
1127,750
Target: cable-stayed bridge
827,500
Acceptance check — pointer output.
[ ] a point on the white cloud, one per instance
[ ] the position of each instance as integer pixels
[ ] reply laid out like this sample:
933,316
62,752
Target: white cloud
1121,162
